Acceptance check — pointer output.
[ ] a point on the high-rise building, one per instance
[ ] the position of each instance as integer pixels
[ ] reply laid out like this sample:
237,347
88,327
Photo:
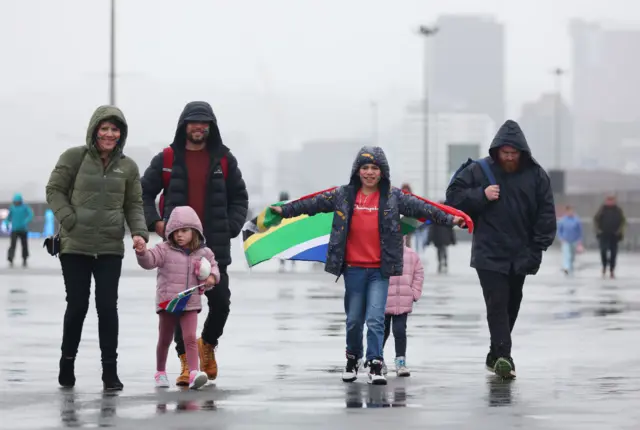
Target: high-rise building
467,66
606,97
538,122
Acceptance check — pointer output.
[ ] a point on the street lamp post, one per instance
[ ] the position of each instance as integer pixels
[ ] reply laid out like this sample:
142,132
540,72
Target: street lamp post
426,32
112,59
557,117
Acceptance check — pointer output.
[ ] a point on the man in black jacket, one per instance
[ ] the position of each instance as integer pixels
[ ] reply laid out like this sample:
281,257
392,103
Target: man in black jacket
205,176
609,223
515,222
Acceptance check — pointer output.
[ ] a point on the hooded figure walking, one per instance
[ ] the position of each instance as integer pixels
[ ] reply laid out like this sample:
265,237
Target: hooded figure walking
515,221
366,245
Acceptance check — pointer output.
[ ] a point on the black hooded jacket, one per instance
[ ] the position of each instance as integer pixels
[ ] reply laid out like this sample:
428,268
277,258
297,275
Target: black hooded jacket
511,232
227,200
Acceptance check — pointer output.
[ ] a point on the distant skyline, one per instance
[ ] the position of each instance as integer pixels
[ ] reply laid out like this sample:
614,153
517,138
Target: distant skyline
281,72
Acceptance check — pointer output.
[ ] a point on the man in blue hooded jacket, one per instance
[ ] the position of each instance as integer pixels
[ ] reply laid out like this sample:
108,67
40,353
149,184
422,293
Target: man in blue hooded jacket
20,215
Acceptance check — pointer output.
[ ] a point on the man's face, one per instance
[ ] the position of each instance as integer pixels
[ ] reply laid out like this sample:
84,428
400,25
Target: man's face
197,132
569,211
509,158
370,175
610,201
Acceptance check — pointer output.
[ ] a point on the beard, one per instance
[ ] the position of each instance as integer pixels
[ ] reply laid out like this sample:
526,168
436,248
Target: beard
509,166
198,136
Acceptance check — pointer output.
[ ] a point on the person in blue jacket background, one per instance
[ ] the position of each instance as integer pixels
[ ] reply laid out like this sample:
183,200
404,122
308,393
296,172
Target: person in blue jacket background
570,235
20,215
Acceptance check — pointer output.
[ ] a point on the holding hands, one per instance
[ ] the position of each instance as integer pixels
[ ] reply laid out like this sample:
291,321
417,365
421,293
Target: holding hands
139,244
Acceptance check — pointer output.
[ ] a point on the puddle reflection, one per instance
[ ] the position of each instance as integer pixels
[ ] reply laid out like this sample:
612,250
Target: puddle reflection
358,396
500,391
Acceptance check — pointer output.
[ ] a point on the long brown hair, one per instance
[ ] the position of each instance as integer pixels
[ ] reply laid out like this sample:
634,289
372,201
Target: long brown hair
195,240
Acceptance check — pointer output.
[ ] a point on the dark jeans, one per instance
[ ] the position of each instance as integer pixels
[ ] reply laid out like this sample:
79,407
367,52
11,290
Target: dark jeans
77,270
502,296
399,332
219,300
24,244
608,245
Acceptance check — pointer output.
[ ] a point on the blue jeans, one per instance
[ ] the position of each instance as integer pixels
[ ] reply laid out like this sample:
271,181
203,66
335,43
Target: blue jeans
365,299
568,255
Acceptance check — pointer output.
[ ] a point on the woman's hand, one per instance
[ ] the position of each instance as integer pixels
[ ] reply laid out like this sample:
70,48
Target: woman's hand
276,209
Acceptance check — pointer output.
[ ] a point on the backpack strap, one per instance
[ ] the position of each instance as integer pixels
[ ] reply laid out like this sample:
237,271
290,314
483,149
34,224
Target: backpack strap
224,165
487,171
167,165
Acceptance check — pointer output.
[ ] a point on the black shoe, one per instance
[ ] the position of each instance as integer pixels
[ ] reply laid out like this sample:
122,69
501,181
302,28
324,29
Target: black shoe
67,377
375,373
505,368
110,380
490,363
24,263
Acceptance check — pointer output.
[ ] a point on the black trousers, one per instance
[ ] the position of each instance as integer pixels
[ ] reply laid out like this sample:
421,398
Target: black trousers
24,244
608,252
399,325
442,255
502,296
219,300
77,271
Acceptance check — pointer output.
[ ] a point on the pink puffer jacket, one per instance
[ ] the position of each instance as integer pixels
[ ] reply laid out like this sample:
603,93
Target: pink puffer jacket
405,289
177,270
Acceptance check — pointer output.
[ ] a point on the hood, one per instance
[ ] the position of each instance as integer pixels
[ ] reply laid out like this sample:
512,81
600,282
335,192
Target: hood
370,155
104,113
510,134
198,111
17,197
183,217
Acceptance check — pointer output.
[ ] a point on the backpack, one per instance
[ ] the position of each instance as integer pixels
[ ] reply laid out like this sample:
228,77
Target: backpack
167,167
485,168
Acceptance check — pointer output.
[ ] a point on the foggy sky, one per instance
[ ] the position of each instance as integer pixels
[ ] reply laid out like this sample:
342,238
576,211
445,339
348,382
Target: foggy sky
277,71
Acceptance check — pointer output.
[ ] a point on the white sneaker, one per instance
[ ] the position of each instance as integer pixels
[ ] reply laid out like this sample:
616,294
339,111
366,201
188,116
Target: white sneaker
401,367
375,373
197,379
350,372
161,380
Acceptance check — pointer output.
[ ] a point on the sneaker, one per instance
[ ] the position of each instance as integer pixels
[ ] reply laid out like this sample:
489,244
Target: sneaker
350,372
161,380
401,367
490,363
183,379
375,372
505,368
207,359
197,379
66,377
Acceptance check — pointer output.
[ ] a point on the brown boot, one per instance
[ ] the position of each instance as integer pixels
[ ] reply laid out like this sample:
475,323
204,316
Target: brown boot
183,379
207,359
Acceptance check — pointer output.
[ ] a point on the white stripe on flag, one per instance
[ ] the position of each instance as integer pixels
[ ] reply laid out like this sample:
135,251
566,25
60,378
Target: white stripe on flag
297,249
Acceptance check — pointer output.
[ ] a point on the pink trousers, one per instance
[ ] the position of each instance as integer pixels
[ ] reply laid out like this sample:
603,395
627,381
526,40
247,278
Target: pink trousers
189,324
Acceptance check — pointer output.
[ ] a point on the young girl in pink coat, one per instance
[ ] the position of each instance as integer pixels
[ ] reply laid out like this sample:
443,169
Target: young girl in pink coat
403,291
183,261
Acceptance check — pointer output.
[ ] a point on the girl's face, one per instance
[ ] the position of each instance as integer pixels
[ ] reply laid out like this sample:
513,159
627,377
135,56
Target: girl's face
183,236
370,175
108,136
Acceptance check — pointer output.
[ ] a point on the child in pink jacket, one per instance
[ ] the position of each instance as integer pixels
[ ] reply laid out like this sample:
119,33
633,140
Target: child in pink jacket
183,261
403,291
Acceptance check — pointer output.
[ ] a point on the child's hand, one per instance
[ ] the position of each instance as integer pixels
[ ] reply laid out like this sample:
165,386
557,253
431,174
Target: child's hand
139,245
210,281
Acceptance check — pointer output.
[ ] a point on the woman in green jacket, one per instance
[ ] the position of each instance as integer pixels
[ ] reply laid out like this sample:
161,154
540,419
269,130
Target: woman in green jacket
92,190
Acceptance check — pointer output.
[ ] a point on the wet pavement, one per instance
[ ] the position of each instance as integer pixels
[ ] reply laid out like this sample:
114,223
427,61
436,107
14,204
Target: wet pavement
575,346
